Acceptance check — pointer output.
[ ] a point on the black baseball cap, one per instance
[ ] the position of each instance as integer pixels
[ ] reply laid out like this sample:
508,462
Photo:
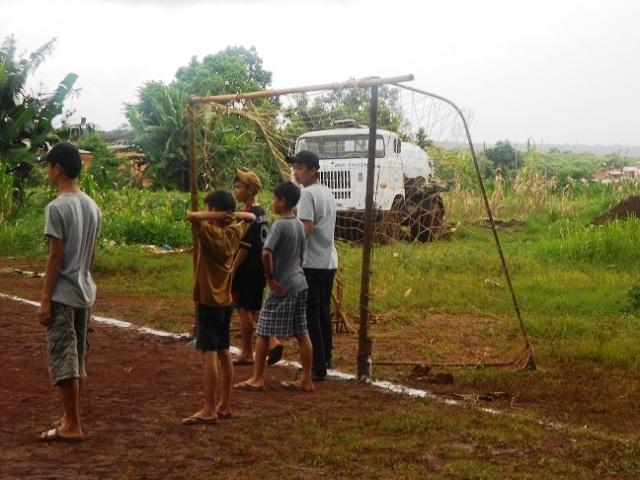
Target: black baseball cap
306,157
66,155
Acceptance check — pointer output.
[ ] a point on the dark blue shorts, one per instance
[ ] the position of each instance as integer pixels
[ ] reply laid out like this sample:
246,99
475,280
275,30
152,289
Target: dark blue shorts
214,328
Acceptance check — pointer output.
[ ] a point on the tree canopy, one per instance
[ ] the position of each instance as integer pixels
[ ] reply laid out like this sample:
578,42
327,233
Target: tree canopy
160,124
26,118
504,157
230,71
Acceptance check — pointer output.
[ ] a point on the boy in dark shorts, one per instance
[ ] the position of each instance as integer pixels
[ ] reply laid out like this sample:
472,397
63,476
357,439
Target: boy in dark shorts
284,310
72,225
248,278
218,240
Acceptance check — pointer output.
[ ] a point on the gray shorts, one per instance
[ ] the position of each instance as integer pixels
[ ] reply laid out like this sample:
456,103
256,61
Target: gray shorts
67,342
284,316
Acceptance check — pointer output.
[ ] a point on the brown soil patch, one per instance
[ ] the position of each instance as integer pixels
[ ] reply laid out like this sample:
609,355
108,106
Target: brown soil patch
141,385
629,207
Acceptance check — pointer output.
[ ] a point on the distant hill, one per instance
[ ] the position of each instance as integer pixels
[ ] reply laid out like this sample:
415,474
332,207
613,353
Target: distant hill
600,150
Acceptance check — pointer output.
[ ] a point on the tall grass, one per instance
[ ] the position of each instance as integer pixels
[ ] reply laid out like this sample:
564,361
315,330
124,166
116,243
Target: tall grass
529,194
133,216
7,194
22,238
614,245
574,282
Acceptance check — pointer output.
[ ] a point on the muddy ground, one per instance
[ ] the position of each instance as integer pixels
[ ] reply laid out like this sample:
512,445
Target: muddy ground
141,385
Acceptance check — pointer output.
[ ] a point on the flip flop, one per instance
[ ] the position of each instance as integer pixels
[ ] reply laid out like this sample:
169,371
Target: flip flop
294,387
242,361
248,388
199,421
275,355
54,436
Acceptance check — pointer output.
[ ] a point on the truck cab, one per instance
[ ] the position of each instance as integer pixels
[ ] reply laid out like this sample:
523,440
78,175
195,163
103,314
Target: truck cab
403,175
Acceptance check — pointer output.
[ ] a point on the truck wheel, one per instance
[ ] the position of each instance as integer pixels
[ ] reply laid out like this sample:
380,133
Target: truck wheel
350,226
427,219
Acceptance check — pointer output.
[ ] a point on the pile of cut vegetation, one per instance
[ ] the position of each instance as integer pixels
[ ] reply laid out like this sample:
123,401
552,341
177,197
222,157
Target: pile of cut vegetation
629,207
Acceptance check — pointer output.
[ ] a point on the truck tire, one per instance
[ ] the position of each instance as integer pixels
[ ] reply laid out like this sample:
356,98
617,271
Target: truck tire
426,218
349,226
423,214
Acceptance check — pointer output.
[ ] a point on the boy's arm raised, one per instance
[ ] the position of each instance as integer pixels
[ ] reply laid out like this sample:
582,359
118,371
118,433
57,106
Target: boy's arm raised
244,216
220,215
206,215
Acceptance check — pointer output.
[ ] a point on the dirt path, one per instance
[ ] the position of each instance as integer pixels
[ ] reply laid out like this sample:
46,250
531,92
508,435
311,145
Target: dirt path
141,385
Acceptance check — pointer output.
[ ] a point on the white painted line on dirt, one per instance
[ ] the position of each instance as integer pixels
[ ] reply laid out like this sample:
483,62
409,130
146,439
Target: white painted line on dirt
331,373
18,299
235,351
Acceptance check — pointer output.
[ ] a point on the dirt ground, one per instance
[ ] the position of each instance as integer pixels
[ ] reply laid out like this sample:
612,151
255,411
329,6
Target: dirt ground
140,385
626,208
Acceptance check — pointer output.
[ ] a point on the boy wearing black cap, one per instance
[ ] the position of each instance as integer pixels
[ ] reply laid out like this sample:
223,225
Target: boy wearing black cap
72,225
317,210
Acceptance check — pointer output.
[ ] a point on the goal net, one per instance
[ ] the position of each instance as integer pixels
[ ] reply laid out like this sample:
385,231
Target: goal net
437,291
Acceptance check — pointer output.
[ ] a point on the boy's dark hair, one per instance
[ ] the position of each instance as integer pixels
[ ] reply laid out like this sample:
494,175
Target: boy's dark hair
289,191
67,156
221,200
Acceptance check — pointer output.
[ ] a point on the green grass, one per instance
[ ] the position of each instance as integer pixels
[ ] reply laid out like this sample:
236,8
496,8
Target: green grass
578,289
22,238
573,282
147,275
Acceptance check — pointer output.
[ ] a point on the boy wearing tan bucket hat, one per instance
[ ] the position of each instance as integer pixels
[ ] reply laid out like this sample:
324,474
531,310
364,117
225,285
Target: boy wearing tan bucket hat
249,281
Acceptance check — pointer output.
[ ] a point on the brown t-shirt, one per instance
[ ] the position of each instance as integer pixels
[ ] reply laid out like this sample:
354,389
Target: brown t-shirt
218,245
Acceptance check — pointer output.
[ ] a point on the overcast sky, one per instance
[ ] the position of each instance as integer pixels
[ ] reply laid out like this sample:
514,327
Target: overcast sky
554,71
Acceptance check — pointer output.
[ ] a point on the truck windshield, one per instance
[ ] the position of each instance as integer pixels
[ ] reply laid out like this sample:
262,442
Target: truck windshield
341,146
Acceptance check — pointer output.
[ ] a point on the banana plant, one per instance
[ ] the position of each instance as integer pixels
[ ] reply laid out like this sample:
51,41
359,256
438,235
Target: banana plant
26,120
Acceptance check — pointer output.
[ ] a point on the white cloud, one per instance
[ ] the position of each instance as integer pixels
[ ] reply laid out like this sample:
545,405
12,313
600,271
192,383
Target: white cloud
556,71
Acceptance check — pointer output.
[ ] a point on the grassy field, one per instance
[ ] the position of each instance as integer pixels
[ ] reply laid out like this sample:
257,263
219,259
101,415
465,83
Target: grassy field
577,288
572,281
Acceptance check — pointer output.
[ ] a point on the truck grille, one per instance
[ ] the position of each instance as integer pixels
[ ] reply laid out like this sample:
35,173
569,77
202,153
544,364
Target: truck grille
339,182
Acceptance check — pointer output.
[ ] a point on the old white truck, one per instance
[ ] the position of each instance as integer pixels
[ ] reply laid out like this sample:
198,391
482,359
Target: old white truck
404,191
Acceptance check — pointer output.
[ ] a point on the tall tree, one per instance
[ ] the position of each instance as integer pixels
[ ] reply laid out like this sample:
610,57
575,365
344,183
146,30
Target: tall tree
504,157
160,124
230,71
26,119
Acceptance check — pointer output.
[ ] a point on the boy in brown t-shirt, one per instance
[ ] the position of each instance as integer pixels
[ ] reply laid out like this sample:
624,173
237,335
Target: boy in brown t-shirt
218,240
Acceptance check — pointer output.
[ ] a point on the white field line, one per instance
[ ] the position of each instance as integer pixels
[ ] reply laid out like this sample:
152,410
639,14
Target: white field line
336,374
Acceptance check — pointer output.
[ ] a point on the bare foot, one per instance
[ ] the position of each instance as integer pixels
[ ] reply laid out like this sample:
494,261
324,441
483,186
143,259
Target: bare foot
202,417
298,386
247,385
